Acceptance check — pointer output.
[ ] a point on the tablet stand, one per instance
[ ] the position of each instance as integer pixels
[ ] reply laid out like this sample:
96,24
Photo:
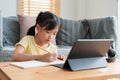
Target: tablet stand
85,63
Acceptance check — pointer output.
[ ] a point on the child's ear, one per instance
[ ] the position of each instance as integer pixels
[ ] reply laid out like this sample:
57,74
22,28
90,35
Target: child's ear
36,29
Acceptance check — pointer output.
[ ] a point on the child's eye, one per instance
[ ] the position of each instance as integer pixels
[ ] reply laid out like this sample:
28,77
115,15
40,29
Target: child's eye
54,34
48,31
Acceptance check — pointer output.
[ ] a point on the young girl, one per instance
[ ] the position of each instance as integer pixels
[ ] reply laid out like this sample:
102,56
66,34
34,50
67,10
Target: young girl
38,46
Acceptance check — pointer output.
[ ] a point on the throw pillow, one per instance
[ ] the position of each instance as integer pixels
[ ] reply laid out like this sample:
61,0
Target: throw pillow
103,28
11,30
69,32
25,23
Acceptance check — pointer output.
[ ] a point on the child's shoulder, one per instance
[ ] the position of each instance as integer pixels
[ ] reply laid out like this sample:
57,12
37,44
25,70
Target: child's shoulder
28,37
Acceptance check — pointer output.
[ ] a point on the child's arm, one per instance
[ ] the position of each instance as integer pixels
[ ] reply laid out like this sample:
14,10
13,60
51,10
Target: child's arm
19,55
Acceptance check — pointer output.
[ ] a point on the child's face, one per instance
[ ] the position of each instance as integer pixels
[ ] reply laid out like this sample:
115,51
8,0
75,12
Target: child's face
46,36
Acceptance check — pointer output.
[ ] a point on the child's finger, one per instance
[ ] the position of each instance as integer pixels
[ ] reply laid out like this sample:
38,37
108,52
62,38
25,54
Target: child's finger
61,57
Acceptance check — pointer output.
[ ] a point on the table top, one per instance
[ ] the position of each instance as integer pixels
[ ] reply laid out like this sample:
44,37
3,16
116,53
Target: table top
54,73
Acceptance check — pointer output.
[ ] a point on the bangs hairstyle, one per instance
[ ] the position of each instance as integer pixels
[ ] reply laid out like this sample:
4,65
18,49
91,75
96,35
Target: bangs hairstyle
47,20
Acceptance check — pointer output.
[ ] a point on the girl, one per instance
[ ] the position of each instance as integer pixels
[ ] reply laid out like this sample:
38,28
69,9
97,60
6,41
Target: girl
38,46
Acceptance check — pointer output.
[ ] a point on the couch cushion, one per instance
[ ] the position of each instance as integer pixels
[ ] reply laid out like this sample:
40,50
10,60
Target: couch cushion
6,54
11,31
25,23
69,32
103,28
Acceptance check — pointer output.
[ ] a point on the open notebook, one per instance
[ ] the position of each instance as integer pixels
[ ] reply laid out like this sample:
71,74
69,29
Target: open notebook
34,63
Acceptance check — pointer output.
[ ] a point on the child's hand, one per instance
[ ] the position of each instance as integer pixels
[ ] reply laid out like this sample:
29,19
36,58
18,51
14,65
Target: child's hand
49,57
61,57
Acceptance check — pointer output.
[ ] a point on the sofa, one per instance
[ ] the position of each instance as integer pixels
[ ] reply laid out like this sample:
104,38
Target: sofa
13,28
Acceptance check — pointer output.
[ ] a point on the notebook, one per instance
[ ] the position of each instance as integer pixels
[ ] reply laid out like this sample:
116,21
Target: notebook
87,54
34,63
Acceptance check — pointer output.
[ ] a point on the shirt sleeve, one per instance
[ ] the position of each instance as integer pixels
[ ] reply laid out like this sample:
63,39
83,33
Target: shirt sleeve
23,42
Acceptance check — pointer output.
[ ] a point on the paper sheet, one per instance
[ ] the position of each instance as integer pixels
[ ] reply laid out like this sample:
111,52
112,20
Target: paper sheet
35,63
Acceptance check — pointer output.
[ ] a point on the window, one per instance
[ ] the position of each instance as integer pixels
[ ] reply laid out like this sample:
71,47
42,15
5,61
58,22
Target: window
33,7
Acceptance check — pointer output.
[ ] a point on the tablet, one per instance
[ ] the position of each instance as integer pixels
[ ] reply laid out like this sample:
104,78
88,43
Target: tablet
84,48
87,54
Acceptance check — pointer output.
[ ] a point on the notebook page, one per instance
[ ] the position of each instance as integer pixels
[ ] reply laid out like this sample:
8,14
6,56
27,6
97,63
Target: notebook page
34,63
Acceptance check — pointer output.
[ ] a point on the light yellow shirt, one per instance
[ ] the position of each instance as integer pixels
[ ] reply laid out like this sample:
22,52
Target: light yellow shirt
28,42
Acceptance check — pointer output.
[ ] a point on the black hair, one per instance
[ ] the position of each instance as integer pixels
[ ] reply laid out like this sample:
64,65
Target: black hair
45,19
48,20
31,31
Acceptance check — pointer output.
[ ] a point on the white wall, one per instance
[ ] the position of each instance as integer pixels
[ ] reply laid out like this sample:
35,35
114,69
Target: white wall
80,9
101,8
8,7
68,9
71,9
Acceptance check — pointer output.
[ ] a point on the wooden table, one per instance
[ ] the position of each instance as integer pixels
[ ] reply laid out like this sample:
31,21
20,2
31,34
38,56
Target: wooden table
9,72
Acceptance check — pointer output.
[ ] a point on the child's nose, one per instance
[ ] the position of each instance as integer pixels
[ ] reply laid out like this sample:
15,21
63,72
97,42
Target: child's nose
51,36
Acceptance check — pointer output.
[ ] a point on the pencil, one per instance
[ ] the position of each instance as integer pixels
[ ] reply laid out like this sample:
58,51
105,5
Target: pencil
45,50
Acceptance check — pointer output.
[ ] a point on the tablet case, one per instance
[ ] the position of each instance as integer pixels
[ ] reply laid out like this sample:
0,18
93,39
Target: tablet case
85,63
